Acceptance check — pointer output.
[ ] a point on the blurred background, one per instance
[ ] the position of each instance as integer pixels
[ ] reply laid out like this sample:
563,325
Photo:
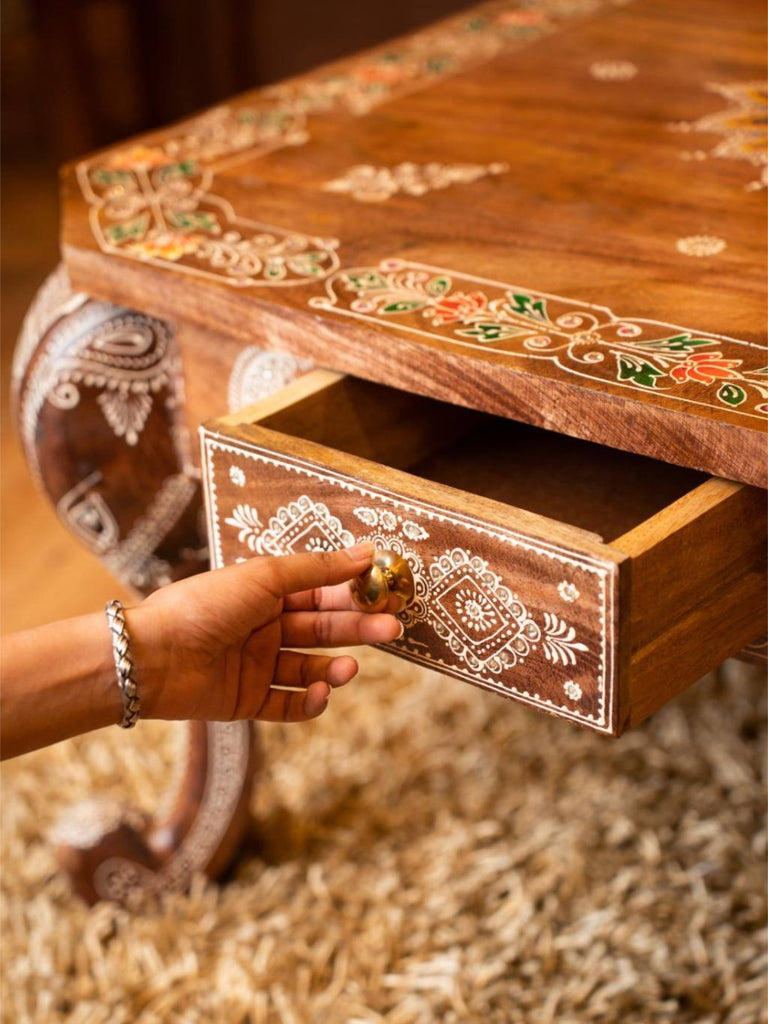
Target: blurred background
82,74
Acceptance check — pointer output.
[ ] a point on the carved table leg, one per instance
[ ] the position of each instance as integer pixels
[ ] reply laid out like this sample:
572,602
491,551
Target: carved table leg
99,402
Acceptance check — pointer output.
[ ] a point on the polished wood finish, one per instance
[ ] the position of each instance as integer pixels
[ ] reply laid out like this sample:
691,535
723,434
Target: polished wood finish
699,589
611,173
533,578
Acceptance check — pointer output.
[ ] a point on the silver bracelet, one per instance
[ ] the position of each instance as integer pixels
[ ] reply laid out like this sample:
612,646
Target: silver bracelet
123,664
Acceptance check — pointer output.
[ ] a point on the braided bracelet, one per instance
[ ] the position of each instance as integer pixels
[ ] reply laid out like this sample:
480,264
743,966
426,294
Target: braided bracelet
123,664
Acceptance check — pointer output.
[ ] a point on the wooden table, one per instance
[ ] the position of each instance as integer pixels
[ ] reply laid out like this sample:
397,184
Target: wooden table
526,246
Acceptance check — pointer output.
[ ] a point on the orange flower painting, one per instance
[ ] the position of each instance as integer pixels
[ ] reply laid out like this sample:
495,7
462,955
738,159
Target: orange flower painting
705,368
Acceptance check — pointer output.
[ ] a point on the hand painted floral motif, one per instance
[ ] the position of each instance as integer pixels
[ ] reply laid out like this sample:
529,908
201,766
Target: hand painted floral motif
705,368
166,245
585,340
568,592
700,245
474,610
743,125
245,520
389,522
168,215
419,59
144,206
572,690
303,525
458,308
369,184
221,132
560,643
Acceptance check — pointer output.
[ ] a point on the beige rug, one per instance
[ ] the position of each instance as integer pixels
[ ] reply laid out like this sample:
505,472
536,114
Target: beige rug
426,852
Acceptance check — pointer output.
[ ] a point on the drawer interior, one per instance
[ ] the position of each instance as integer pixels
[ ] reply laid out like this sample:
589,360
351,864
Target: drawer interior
602,490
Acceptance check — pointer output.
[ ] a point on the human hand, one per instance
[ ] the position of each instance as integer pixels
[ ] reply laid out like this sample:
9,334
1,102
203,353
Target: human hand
213,646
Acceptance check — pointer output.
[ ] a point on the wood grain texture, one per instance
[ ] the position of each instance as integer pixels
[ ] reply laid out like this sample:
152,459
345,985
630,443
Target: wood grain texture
692,549
698,589
504,550
627,229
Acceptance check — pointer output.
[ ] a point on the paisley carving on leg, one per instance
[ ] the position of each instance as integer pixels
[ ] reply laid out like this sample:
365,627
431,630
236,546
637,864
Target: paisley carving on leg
113,851
99,405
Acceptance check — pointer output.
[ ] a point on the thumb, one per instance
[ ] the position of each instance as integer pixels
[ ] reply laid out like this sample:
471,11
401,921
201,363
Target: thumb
288,574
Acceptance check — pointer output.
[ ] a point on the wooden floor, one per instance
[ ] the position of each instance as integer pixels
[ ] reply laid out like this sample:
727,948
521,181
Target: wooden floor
44,573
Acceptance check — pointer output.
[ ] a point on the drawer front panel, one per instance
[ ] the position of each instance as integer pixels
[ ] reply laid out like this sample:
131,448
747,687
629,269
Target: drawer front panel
512,613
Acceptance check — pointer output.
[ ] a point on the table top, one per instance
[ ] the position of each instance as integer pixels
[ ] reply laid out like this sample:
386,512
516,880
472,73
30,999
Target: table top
551,209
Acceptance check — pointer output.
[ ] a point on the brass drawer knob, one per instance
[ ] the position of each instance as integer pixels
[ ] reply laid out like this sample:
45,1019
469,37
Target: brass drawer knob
386,586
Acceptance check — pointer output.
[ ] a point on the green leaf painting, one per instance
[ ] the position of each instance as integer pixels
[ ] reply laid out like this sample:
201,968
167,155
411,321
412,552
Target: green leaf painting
732,394
638,370
524,305
680,343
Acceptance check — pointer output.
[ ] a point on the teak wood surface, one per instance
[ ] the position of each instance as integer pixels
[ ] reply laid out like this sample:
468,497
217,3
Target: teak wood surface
599,609
597,269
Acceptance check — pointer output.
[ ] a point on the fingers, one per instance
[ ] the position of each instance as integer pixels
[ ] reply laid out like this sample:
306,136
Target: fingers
293,706
296,669
330,599
337,629
338,598
289,574
313,676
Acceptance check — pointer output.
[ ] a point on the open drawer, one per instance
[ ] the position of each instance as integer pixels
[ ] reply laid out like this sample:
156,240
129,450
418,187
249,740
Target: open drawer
580,580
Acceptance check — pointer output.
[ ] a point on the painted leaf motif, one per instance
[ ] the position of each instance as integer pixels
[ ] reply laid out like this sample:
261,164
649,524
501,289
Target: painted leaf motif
306,264
104,177
560,643
245,519
192,221
366,282
439,285
489,332
135,228
403,306
638,370
680,343
526,306
275,269
732,394
185,168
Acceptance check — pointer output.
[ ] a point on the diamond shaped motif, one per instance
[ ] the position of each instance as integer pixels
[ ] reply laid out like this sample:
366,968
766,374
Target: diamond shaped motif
304,525
478,618
483,622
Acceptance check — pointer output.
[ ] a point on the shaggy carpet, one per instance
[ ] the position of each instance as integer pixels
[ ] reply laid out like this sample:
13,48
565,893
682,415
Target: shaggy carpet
425,852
